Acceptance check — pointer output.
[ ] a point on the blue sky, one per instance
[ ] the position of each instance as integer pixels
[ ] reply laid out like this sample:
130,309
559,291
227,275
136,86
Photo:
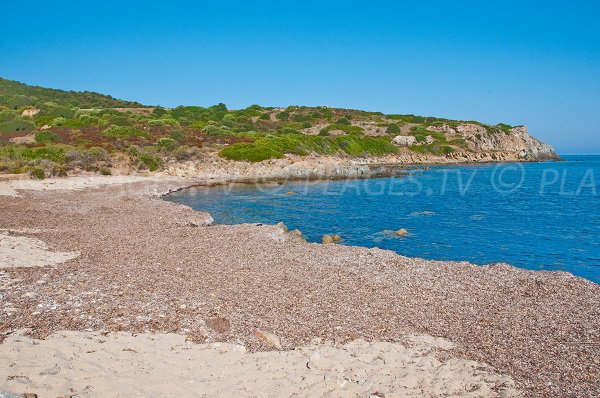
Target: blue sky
532,63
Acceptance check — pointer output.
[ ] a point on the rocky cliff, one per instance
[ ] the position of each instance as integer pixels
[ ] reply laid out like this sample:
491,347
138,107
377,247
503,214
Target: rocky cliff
514,142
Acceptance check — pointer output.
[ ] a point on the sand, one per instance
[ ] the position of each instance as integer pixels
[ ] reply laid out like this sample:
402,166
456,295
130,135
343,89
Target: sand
21,251
149,266
11,187
92,364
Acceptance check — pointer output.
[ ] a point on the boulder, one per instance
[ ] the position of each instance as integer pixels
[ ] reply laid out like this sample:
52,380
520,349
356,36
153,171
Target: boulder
297,234
401,232
328,239
404,140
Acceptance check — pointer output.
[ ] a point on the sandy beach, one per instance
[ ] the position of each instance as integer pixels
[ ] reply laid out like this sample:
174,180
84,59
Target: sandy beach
107,289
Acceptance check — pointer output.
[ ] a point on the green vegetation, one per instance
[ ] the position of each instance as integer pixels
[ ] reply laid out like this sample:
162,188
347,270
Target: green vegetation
277,146
48,132
46,136
347,128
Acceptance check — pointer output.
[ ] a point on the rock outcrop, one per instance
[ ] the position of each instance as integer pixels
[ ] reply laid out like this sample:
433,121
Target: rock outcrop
404,140
506,144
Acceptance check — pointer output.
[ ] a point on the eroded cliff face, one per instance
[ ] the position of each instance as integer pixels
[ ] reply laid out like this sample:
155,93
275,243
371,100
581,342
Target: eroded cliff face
513,143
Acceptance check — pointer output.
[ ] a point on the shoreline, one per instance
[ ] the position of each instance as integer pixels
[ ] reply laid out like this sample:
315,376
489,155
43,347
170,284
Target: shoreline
238,272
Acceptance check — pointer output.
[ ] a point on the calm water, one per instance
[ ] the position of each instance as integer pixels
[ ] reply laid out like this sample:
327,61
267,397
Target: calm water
536,216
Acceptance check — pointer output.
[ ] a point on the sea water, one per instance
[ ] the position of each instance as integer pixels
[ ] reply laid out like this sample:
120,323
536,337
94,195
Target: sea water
541,216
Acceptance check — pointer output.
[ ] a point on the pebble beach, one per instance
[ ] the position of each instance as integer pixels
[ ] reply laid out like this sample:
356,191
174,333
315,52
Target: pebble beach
87,259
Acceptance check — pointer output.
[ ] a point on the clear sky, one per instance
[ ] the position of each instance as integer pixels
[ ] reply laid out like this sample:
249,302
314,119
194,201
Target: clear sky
532,63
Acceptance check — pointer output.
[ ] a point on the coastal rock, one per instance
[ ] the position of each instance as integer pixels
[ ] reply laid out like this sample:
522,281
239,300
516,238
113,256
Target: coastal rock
297,234
404,140
401,232
494,144
282,226
328,239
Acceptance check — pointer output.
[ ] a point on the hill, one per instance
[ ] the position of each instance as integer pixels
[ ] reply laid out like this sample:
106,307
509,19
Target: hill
52,132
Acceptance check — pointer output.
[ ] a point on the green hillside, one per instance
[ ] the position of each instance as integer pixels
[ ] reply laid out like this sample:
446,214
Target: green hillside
52,131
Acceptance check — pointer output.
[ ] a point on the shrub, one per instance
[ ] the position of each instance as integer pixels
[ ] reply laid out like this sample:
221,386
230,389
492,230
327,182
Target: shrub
16,125
348,129
46,136
166,143
505,127
185,153
283,115
271,147
434,149
37,172
151,161
343,120
178,135
158,111
124,132
105,171
393,129
360,146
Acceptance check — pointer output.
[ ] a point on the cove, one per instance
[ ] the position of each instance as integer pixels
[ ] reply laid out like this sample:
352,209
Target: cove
540,216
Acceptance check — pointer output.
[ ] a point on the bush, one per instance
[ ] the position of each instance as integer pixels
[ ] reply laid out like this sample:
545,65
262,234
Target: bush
216,130
283,115
343,120
105,171
505,127
91,159
272,147
37,172
393,129
16,125
434,149
46,136
185,153
151,161
348,129
124,132
166,143
178,135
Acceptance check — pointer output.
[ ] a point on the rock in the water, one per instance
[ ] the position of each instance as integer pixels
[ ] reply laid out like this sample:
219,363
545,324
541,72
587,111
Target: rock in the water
283,227
297,233
269,338
327,239
401,232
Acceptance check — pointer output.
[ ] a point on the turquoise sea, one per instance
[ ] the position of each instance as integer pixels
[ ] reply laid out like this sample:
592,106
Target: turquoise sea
542,216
